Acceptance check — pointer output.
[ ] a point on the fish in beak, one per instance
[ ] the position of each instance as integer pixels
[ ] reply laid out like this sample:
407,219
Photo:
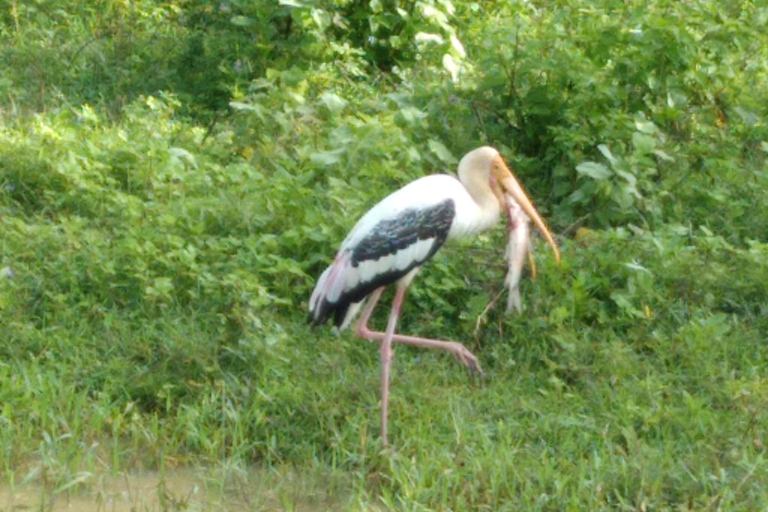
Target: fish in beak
510,186
520,212
518,247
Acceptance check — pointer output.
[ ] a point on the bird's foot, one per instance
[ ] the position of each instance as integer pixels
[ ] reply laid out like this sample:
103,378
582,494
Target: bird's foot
461,353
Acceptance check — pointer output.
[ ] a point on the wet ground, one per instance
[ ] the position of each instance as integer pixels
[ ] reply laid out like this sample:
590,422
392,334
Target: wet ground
176,490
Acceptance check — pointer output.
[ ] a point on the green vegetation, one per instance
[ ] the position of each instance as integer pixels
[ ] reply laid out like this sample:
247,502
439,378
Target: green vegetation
174,176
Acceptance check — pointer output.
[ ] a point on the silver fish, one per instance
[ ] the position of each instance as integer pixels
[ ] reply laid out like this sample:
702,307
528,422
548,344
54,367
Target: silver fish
518,248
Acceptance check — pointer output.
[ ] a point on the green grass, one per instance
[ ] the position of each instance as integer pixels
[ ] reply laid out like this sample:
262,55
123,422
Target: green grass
568,418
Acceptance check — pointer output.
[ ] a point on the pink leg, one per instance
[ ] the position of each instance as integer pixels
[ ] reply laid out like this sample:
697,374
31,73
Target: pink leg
457,349
363,321
386,338
386,352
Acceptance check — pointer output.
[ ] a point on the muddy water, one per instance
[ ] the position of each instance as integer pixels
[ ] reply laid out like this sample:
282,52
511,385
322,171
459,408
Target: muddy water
125,493
177,490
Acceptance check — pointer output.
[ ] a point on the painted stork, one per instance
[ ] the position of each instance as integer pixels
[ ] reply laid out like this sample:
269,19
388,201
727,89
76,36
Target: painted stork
394,238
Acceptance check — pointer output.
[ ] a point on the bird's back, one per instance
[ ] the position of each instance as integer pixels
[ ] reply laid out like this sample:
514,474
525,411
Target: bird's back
397,235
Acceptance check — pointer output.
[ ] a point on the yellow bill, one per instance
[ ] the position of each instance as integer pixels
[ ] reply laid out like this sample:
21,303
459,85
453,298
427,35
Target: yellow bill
510,185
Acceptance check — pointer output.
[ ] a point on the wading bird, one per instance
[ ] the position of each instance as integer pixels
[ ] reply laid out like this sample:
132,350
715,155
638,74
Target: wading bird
394,238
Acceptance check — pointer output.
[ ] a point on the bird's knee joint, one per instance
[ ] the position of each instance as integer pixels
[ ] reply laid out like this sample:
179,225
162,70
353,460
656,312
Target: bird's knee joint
386,353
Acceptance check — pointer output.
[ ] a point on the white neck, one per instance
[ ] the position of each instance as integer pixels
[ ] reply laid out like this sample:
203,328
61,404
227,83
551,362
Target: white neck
476,211
474,173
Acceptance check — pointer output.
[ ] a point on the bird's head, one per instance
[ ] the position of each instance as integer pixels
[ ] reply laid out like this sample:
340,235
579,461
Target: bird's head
488,162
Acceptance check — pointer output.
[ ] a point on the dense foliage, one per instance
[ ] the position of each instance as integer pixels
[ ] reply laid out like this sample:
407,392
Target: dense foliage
174,175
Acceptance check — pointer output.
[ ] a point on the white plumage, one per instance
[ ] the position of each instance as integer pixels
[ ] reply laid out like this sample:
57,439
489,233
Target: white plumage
420,195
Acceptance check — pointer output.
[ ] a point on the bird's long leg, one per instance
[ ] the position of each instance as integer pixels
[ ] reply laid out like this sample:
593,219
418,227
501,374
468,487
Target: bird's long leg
457,349
386,354
386,345
389,336
362,324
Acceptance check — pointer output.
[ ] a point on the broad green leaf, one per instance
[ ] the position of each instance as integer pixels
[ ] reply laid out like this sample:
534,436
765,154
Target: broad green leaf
594,170
413,155
412,114
578,196
625,304
642,143
333,102
606,151
663,155
442,152
241,21
630,178
292,76
249,107
331,157
558,315
645,126
183,155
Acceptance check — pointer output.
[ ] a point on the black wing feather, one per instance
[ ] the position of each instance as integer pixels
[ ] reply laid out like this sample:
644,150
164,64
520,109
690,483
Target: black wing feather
389,237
